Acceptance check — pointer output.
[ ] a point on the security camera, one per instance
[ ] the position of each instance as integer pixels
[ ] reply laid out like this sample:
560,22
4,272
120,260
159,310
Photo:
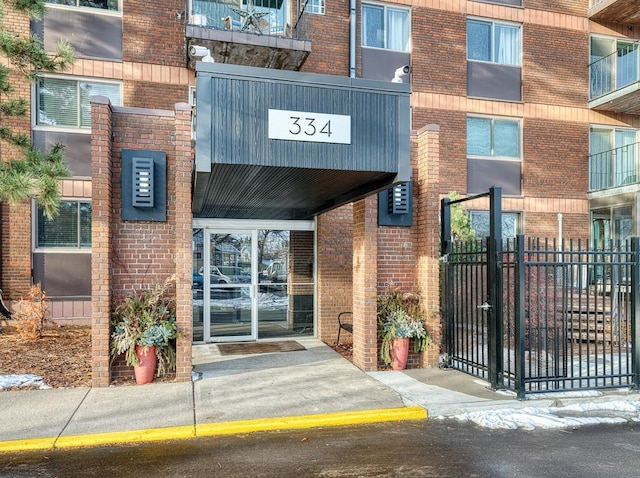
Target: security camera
198,52
400,72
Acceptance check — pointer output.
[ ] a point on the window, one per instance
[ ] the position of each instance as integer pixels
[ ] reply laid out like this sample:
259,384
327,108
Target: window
70,228
493,137
480,224
494,42
111,5
614,65
314,6
385,27
62,102
613,157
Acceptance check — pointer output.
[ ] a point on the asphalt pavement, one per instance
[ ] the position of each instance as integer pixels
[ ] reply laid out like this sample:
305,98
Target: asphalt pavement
237,394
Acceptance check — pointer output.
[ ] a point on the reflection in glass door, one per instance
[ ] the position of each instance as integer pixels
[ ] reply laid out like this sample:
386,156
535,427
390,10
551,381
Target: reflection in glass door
253,283
228,284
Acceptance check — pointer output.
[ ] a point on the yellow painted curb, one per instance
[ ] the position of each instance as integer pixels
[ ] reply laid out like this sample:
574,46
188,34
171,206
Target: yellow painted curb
213,429
310,421
134,436
27,445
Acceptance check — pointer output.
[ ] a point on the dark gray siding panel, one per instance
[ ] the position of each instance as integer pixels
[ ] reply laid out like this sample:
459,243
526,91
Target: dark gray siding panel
500,82
91,35
484,173
381,65
63,274
77,153
233,113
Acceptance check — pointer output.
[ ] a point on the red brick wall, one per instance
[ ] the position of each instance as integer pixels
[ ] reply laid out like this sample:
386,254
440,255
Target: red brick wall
555,66
335,271
141,94
555,159
152,33
15,254
438,59
329,35
133,255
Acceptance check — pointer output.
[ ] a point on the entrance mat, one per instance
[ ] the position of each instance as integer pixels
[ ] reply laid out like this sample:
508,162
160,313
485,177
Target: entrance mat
259,347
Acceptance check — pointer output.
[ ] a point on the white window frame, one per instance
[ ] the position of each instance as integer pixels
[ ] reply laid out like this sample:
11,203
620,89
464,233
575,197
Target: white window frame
315,7
493,24
35,105
104,11
34,235
386,8
493,156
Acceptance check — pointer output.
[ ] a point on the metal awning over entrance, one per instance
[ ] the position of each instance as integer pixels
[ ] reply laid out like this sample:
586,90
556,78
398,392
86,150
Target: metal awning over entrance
275,144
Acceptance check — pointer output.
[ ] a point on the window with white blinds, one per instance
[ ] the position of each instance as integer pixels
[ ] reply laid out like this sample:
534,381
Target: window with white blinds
70,228
67,103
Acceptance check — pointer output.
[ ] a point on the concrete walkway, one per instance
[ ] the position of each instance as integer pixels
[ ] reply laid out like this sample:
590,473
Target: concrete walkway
237,394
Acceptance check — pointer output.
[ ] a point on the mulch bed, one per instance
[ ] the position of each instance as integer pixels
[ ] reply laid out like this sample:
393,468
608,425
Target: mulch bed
62,356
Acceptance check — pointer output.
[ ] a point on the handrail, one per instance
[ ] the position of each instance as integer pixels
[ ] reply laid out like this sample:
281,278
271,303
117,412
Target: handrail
615,167
607,75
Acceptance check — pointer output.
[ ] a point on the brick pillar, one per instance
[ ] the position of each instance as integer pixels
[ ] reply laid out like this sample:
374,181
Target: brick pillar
365,268
183,154
101,173
427,202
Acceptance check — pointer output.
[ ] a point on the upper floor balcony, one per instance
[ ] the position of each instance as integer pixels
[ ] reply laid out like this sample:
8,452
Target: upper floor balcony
615,168
263,33
617,11
615,80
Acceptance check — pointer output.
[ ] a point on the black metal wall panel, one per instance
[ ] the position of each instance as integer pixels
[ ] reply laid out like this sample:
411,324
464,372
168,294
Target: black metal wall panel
63,274
92,35
484,173
488,80
77,153
233,106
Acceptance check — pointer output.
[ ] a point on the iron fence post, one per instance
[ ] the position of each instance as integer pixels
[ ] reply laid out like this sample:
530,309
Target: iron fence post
635,312
494,283
520,317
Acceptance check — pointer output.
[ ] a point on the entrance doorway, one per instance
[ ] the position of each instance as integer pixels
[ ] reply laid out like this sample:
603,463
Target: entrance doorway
252,283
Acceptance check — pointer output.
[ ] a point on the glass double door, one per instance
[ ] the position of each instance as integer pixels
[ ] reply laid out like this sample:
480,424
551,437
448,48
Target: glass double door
252,284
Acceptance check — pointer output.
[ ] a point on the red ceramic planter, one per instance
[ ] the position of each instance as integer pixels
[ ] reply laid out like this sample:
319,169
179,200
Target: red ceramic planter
399,353
146,369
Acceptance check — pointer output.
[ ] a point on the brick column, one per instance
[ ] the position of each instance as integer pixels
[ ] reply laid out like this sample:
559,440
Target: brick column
101,173
427,203
365,272
183,256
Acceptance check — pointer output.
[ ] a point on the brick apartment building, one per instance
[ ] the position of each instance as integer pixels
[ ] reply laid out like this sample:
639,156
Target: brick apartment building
537,97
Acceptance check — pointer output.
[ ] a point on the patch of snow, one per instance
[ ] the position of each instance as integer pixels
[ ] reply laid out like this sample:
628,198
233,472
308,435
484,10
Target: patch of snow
530,418
23,380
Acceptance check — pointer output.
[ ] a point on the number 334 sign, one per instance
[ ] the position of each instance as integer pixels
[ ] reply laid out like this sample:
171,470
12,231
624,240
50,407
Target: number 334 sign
305,126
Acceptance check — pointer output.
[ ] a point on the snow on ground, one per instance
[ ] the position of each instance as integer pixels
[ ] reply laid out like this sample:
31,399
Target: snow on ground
530,418
24,380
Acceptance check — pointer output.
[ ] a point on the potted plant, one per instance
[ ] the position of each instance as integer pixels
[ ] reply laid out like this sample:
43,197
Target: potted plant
400,319
144,329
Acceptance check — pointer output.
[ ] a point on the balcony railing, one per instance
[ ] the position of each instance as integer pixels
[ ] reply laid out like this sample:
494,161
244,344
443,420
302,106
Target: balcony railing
614,71
263,17
614,168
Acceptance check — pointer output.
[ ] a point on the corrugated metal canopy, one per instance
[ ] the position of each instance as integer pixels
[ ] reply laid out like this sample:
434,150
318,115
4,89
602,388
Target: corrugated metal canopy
258,192
243,174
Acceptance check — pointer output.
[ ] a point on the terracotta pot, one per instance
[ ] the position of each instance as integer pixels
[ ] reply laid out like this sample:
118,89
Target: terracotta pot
146,369
399,353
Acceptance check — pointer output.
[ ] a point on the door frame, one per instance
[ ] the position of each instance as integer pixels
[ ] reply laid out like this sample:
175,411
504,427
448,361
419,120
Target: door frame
209,225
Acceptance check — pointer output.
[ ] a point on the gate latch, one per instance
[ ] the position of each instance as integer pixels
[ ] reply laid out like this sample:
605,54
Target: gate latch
485,306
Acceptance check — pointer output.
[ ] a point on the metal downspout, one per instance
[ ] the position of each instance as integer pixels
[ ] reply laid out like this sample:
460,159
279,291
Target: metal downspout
352,38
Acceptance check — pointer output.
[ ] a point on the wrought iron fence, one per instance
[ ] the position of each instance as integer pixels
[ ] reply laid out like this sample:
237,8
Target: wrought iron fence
614,71
285,18
567,320
613,168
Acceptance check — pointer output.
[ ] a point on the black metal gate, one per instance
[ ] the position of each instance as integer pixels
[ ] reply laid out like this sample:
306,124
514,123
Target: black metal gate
541,316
